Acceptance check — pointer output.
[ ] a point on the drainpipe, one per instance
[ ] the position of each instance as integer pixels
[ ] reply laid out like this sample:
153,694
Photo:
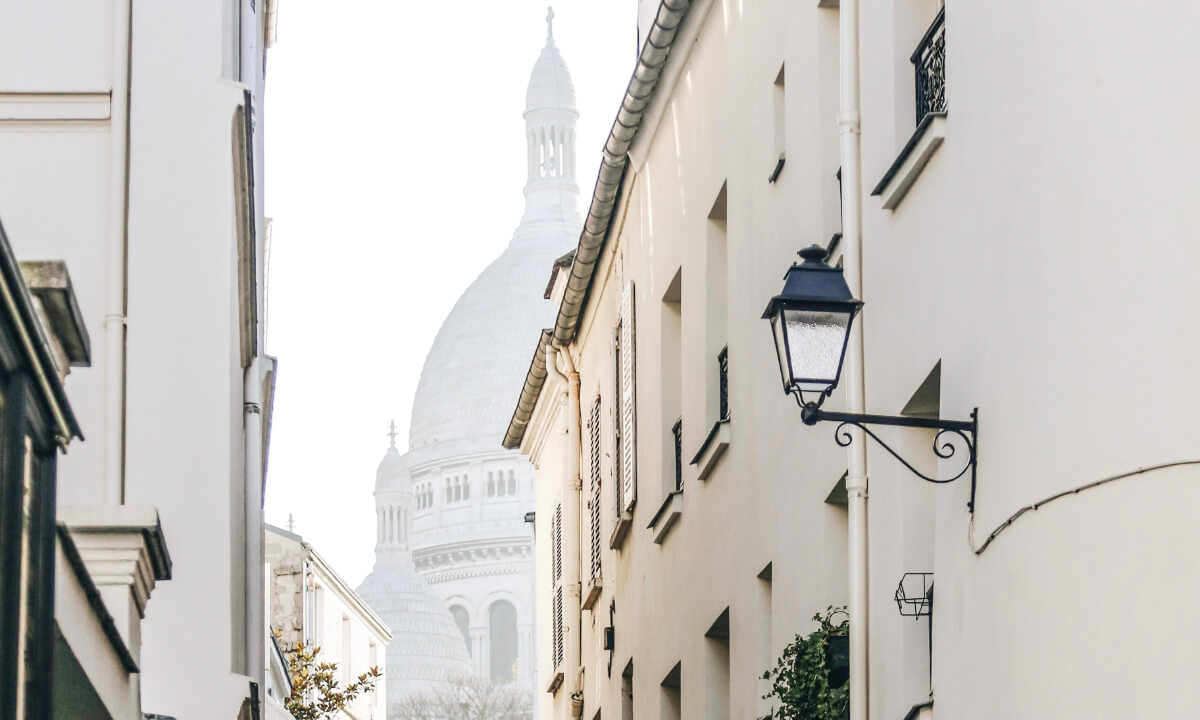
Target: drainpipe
116,258
253,494
573,652
849,127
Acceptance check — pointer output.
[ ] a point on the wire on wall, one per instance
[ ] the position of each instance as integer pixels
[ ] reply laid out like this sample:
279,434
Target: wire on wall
1058,496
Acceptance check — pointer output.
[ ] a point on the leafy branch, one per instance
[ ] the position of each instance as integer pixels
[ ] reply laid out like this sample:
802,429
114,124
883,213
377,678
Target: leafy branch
801,679
316,692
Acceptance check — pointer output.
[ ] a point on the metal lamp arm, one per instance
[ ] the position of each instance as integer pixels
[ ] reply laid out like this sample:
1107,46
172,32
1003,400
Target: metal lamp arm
966,430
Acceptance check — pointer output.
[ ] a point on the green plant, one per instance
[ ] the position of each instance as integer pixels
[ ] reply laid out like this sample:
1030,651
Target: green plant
316,693
800,678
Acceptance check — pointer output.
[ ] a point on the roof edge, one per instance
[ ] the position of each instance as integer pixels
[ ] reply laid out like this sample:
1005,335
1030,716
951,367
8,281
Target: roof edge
535,378
638,95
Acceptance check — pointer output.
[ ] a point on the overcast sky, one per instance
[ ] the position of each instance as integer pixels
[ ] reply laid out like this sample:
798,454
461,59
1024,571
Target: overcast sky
394,172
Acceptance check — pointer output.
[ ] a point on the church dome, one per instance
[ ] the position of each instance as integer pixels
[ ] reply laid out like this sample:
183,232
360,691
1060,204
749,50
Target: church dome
550,83
468,385
427,647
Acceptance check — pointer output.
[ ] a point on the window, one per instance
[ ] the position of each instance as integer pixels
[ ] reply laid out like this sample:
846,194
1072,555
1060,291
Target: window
557,591
466,487
463,620
677,432
594,494
780,101
670,706
628,402
671,384
717,641
723,382
716,325
512,483
929,63
627,692
502,637
491,486
345,649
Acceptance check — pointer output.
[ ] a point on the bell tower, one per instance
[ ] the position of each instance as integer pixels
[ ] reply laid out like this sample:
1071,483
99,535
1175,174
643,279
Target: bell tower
550,115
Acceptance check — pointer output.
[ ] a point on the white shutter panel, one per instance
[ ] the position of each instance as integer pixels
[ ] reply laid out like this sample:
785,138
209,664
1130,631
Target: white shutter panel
628,402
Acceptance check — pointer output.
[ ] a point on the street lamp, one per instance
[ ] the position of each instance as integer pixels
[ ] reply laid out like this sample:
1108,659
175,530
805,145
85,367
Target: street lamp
811,320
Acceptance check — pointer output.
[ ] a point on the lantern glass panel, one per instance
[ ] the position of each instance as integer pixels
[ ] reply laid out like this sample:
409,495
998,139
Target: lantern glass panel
781,349
815,342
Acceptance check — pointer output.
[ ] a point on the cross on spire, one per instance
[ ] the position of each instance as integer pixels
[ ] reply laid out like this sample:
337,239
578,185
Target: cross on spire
291,523
549,25
392,433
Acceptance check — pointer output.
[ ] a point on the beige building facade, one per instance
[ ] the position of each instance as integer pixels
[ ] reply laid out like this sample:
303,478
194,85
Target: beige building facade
688,524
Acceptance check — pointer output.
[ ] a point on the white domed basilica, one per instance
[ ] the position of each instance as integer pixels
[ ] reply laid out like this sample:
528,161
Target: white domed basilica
451,510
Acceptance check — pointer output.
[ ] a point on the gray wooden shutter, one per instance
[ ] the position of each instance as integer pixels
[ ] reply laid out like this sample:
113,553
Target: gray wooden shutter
628,401
594,500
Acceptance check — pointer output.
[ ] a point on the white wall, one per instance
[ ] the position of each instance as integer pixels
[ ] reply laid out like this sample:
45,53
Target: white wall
183,450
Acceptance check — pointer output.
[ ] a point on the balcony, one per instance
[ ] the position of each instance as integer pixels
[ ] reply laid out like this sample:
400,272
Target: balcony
929,72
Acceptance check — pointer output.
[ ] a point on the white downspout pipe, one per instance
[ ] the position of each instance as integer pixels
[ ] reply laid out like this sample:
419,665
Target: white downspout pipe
849,128
252,413
572,652
116,260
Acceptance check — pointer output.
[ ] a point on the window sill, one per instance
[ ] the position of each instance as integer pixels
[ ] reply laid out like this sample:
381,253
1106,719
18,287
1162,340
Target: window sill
620,530
921,711
555,683
594,586
713,447
666,517
900,177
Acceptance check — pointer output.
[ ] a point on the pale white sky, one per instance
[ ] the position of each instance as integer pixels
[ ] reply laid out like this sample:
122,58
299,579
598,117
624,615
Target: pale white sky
394,169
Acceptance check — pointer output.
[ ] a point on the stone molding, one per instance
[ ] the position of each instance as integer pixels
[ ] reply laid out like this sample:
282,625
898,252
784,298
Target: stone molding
125,553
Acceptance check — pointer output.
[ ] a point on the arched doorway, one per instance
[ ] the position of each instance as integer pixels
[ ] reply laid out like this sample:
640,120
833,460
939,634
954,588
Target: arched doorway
502,639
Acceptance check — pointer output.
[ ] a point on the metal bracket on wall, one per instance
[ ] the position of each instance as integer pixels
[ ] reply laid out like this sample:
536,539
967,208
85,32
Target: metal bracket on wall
959,432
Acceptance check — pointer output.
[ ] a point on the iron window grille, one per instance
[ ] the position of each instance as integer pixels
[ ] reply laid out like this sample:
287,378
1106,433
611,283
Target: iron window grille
929,62
677,432
723,367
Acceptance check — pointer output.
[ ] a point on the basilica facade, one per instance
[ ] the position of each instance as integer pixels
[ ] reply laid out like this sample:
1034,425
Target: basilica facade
453,576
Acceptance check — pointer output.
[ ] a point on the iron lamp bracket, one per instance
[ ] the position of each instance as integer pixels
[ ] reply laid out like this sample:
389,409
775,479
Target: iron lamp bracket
952,436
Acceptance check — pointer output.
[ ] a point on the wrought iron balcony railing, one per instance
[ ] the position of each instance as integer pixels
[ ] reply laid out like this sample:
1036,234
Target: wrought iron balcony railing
929,61
677,432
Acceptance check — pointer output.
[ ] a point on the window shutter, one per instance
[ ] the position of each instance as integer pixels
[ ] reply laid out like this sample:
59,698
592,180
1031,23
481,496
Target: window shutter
594,501
628,401
556,593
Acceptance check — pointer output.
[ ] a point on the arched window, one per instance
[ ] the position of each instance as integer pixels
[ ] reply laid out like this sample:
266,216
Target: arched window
466,487
457,488
502,640
491,486
463,620
512,483
449,491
